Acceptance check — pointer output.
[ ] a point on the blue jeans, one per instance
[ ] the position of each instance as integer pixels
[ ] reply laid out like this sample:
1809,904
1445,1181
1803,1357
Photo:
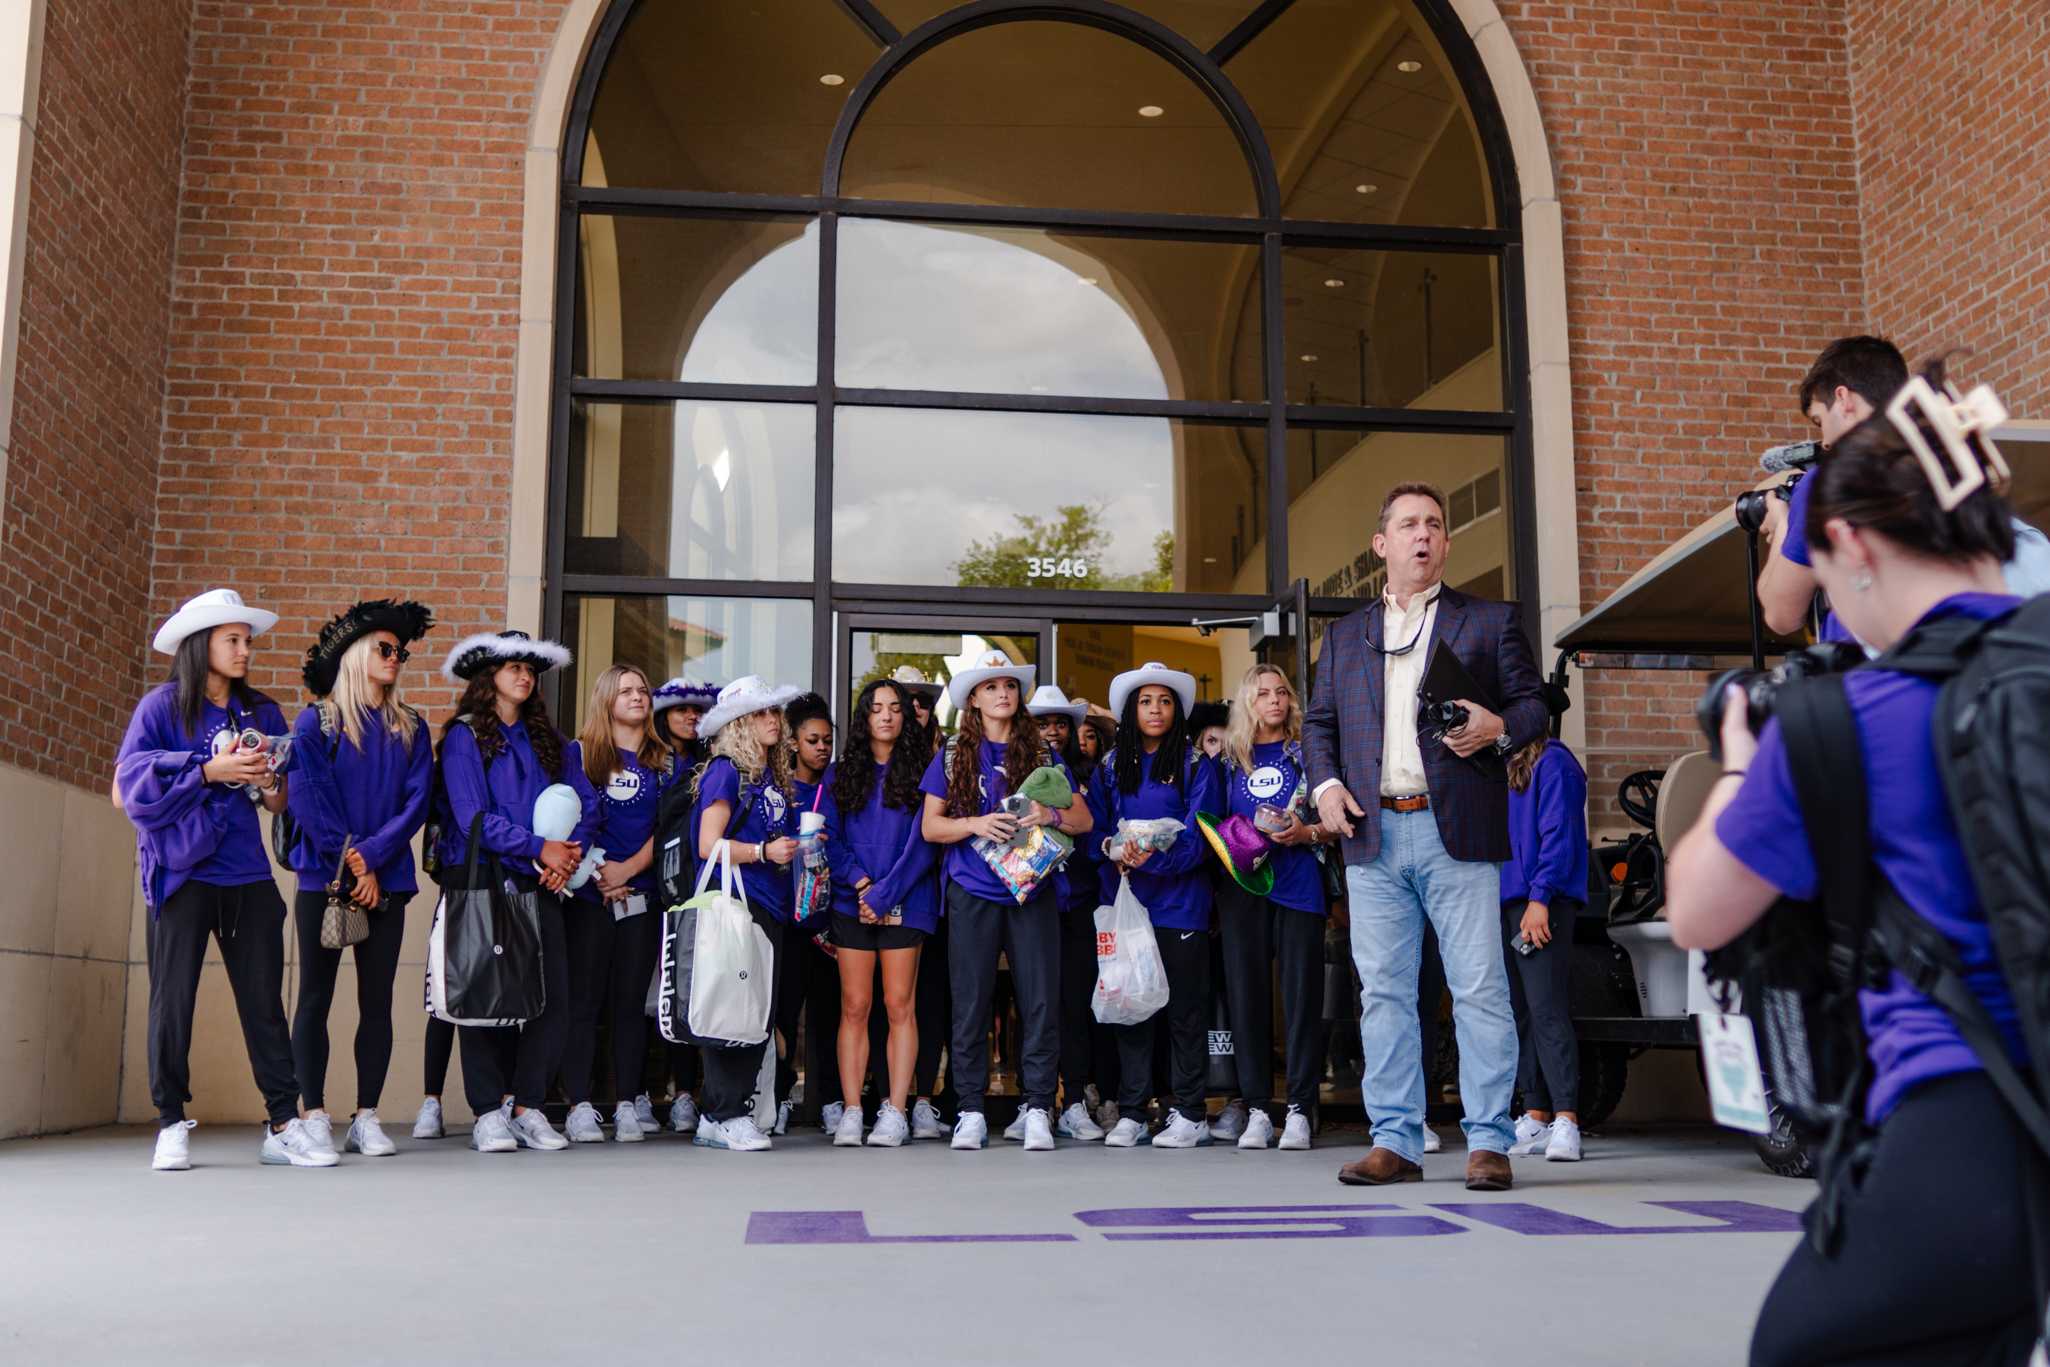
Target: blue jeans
1413,878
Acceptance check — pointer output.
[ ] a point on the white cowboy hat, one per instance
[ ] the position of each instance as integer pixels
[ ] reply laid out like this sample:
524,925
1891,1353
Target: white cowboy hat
1183,686
1048,700
214,608
468,657
994,664
744,697
913,678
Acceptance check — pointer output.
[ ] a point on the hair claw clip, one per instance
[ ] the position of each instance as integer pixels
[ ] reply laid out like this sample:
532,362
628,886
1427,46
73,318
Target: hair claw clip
1955,418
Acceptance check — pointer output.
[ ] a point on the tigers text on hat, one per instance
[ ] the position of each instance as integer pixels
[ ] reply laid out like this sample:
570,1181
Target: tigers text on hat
1955,418
1182,685
994,664
473,654
408,621
214,608
744,697
682,692
1048,701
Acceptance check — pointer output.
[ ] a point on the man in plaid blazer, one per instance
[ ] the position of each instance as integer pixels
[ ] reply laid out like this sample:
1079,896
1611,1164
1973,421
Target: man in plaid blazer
1432,831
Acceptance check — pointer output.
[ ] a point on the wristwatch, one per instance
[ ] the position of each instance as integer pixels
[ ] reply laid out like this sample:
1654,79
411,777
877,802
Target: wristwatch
1503,745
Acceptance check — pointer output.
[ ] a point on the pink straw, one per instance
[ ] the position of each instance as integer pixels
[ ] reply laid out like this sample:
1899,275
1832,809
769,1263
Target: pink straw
818,796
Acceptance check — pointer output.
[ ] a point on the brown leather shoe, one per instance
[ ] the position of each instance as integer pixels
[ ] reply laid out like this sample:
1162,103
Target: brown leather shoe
1488,1171
1379,1168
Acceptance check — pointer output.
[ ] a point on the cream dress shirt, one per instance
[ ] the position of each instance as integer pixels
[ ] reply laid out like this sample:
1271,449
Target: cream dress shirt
1402,759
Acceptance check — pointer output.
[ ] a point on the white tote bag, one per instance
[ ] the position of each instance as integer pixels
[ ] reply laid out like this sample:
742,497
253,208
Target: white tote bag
732,977
1131,982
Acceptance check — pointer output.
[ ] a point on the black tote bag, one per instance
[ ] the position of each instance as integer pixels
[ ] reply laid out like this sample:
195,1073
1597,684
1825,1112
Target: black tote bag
491,942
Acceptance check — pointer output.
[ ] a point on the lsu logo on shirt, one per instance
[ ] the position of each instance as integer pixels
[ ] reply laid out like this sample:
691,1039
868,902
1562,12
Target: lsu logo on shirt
775,807
624,787
1265,783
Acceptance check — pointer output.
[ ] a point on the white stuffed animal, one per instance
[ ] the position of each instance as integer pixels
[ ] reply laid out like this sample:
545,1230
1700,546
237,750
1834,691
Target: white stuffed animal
556,811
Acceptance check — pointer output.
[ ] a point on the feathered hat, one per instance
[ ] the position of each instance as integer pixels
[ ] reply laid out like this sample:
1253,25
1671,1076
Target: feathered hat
491,649
408,621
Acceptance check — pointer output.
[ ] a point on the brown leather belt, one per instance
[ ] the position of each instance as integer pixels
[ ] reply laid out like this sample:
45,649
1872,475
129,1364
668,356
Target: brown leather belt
1421,802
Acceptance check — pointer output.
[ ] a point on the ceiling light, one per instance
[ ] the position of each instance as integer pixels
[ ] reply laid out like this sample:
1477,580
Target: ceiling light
1150,111
1364,189
1334,283
722,469
832,78
1308,357
1210,560
1085,279
1409,65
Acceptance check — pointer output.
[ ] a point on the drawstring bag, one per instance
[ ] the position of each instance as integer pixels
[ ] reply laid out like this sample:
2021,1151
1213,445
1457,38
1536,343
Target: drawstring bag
1131,982
732,975
484,948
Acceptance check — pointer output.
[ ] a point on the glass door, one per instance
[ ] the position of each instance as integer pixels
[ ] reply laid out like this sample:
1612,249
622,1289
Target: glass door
938,647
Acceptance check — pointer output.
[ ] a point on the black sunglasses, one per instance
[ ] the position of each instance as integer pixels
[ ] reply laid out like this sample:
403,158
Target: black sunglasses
386,650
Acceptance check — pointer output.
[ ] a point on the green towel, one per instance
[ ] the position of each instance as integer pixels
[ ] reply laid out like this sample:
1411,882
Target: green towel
1049,787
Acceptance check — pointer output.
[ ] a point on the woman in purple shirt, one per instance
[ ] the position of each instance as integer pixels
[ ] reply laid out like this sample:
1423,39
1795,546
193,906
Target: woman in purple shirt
498,752
885,898
191,789
613,938
1934,1260
362,778
1154,770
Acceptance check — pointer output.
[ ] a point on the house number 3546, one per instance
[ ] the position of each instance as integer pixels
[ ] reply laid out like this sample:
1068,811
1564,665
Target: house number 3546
1052,567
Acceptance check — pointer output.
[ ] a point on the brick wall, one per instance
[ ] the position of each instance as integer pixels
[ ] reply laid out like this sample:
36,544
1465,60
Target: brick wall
81,486
1706,169
1953,133
339,398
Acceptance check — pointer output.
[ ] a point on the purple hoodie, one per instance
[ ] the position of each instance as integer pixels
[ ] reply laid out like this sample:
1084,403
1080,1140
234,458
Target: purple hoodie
378,794
189,830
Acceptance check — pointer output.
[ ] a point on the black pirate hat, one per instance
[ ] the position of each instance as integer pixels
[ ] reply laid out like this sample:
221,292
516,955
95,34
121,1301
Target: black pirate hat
408,621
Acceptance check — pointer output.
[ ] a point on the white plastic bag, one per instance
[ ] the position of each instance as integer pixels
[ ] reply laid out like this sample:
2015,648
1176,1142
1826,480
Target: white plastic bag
1131,982
733,965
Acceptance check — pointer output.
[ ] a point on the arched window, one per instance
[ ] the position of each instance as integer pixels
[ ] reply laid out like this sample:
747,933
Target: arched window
876,301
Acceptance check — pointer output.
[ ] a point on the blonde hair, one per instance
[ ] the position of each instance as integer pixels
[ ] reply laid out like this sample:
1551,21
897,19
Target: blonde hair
1239,731
1523,764
736,741
351,697
601,757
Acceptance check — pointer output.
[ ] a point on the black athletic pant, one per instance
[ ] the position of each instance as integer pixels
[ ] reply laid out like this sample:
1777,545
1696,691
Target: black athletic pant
377,965
588,934
934,1008
248,922
440,1044
1185,954
1934,1264
636,944
1256,932
519,1060
730,1073
1078,986
1548,1064
1029,937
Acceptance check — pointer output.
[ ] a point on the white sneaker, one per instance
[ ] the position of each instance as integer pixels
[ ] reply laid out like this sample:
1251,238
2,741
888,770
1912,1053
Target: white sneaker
1564,1145
296,1145
367,1137
1531,1136
174,1147
1182,1133
1259,1132
583,1125
644,1113
1076,1124
891,1128
1038,1130
1015,1131
1125,1134
971,1131
683,1114
1231,1121
739,1133
428,1124
783,1110
1432,1143
492,1133
829,1116
320,1128
1295,1130
531,1130
847,1128
626,1123
925,1120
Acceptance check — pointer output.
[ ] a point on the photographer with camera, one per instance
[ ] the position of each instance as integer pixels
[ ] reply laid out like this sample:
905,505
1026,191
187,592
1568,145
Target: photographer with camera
1852,379
1920,1243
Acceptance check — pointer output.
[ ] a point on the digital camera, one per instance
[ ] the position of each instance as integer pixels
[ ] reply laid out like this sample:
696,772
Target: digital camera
1761,687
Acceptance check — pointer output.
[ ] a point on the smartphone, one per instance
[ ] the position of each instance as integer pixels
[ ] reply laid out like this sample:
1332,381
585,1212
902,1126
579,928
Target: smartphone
1522,945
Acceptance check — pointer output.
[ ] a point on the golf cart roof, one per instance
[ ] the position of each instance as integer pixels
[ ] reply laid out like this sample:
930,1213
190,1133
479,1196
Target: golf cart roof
1693,598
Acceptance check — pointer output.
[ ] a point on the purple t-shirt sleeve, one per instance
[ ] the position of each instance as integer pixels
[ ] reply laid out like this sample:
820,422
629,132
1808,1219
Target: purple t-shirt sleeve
1794,545
721,783
935,780
1762,825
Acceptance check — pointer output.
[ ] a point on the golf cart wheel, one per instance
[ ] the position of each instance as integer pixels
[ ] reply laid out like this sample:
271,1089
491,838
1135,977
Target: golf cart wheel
1604,1068
1781,1151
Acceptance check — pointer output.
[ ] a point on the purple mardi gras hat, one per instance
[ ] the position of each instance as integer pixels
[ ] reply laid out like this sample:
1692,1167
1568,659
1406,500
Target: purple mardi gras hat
1243,849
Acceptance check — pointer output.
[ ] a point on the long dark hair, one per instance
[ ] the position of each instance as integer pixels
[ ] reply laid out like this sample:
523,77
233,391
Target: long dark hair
480,704
1872,479
1022,754
855,776
1130,751
189,668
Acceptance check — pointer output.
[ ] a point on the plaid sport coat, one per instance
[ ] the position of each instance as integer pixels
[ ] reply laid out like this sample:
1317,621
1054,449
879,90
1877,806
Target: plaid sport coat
1342,729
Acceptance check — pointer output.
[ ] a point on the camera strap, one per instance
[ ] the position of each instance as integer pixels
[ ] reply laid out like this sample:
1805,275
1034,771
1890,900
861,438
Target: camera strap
1827,761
